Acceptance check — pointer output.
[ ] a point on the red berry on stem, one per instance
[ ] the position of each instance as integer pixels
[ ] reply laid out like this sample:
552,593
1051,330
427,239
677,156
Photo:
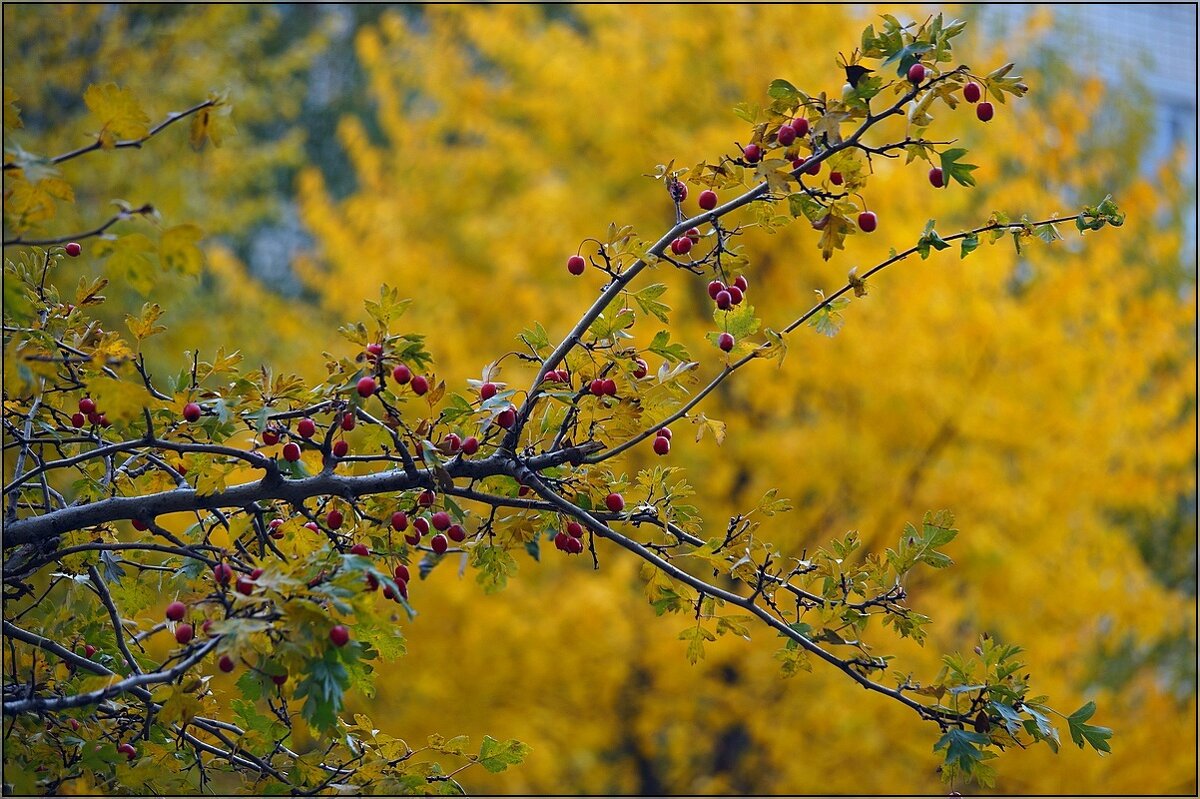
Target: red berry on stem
176,611
192,412
104,420
127,750
800,125
735,295
255,573
73,249
270,436
439,544
441,520
347,421
222,572
867,221
457,533
94,418
401,573
426,499
916,73
693,234
984,111
279,679
972,92
402,374
313,526
400,521
340,448
610,387
575,529
452,442
360,549
366,386
87,405
937,178
724,299
291,451
786,135
596,387
574,546
334,519
420,385
421,525
835,178
752,152
813,169
615,502
714,288
375,348
487,391
576,264
245,586
470,446
641,369
560,541
78,420
339,635
725,342
707,200
413,538
306,427
183,633
88,651
741,282
662,445
665,433
139,525
506,418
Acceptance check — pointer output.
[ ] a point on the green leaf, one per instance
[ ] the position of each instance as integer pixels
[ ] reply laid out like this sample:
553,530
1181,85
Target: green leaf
323,686
495,566
952,168
969,244
962,748
1009,715
647,300
907,56
536,337
496,756
780,89
739,321
930,238
672,352
1096,737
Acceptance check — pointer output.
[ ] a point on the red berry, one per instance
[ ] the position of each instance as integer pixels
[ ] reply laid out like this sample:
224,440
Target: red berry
127,750
279,679
693,234
524,491
183,633
255,573
421,525
665,433
452,442
426,499
74,724
662,445
575,529
402,573
312,526
366,386
400,521
984,111
94,418
937,178
439,544
681,246
270,436
360,549
786,135
413,538
470,446
972,92
813,169
402,374
576,264
724,299
334,519
615,502
835,178
707,200
867,221
340,448
574,546
274,526
560,541
714,288
596,387
506,418
678,191
139,525
347,421
291,451
725,342
752,152
192,412
176,611
245,586
339,635
457,533
741,282
388,593
441,520
73,249
800,125
487,391
916,73
104,420
420,385
88,651
610,386
641,369
735,295
306,427
375,349
222,573
207,626
87,405
78,420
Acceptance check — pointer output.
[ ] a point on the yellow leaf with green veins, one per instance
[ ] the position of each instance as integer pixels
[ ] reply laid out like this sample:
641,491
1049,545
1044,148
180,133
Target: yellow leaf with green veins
118,112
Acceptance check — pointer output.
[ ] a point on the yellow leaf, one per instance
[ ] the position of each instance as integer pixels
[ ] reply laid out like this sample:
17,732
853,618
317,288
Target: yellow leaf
178,249
12,114
57,187
120,399
211,124
26,204
119,114
144,326
129,256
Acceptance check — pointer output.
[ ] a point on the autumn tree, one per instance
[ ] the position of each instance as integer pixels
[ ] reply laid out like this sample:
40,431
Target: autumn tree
269,511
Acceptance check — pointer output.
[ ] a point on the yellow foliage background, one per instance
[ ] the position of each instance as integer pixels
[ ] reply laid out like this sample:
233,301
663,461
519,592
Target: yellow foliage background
1048,399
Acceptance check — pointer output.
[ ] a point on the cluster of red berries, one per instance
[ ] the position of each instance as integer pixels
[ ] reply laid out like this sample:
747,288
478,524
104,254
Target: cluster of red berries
570,541
88,413
728,296
662,441
683,244
446,529
603,386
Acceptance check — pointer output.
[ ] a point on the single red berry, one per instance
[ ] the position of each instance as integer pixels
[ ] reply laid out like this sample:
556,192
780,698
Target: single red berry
725,342
813,169
94,418
192,412
183,633
786,135
575,529
400,521
334,519
176,611
88,651
972,92
420,385
421,525
279,679
452,442
413,538
73,249
402,374
245,586
339,635
366,386
741,283
835,178
360,549
596,387
222,572
800,125
375,349
340,448
388,593
574,546
867,221
401,573
347,421
707,199
441,520
714,288
662,445
104,420
207,626
456,533
470,446
139,525
313,526
270,436
615,502
291,451
255,573
641,369
984,111
560,541
524,491
752,152
664,432
87,405
937,178
681,246
487,391
679,191
403,588
306,427
439,544
127,750
506,418
724,299
610,386
78,420
274,528
426,499
693,234
74,724
576,264
916,73
735,295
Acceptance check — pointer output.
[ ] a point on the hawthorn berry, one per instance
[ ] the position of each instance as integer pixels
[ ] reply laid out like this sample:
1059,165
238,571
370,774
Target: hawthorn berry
596,387
610,387
413,538
274,526
139,525
339,635
641,369
835,178
575,529
800,125
270,436
470,446
127,750
786,135
867,221
681,246
741,283
360,549
222,572
421,525
183,633
813,169
574,546
347,421
662,445
707,199
664,432
207,626
724,299
452,442
256,572
426,499
576,265
279,679
88,651
87,405
176,611
340,448
457,533
487,391
400,521
245,586
420,384
402,374
972,92
312,526
560,541
291,451
725,342
94,418
78,420
693,235
937,178
366,386
752,152
441,520
439,543
401,573
714,288
916,73
507,418
334,519
306,427
615,502
388,593
984,111
104,420
73,249
735,295
374,349
192,412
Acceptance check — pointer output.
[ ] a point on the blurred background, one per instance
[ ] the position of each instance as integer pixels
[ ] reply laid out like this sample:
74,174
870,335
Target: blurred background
462,152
